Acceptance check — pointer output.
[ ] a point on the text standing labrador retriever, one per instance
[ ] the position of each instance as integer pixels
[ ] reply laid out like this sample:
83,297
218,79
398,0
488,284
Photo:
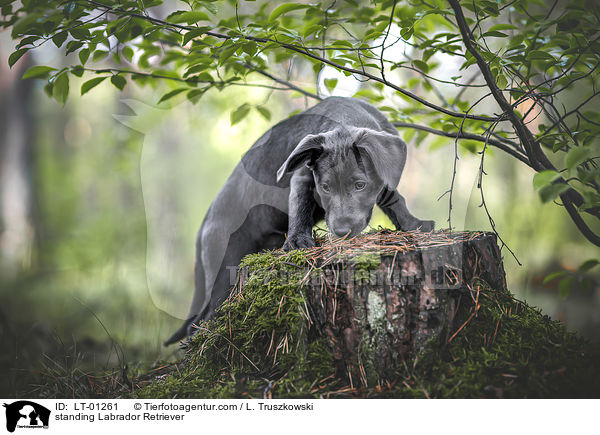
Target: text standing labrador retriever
334,161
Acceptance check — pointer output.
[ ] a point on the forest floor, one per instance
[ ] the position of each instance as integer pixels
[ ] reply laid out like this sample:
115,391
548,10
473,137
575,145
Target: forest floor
262,345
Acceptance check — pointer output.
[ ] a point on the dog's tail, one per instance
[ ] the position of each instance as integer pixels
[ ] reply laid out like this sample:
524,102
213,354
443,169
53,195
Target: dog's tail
199,304
186,329
181,333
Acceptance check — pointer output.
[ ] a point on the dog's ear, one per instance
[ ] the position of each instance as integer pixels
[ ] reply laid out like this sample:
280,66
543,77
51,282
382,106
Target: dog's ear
307,151
386,151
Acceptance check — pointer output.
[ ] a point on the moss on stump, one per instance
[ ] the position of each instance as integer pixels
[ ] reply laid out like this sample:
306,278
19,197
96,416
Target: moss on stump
416,315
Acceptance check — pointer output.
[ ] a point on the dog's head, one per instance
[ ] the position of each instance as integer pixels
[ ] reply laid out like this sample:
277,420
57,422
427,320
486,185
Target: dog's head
350,166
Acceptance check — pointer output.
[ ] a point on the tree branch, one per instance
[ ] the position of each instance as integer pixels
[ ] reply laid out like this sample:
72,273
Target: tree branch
463,135
578,220
536,156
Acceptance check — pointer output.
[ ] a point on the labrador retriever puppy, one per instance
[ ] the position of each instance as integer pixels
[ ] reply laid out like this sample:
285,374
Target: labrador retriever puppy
334,161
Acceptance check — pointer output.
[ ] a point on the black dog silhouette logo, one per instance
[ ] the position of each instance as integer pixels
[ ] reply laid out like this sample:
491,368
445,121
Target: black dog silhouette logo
26,414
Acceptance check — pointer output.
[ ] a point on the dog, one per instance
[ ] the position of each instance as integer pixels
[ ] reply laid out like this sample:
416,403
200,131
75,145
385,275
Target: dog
334,161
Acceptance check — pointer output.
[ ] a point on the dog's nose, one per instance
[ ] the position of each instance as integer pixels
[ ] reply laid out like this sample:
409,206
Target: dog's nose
341,231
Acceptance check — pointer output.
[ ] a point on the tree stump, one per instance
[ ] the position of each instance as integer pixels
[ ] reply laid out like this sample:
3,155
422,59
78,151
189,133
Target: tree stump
380,298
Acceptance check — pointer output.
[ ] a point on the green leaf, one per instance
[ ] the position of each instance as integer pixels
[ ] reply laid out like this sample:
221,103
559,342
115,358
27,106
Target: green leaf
490,7
421,65
99,54
27,41
195,69
59,38
188,17
240,113
80,33
502,27
550,192
409,133
330,84
127,52
84,55
204,77
284,9
77,70
61,88
26,24
264,112
14,57
590,200
588,265
495,34
544,178
171,94
407,32
577,155
210,7
448,127
118,81
564,286
250,48
342,43
195,94
501,81
540,55
73,46
315,29
37,71
413,82
470,61
194,34
87,86
48,89
226,54
552,276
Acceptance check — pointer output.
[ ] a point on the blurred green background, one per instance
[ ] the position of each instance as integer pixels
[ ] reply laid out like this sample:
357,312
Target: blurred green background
101,205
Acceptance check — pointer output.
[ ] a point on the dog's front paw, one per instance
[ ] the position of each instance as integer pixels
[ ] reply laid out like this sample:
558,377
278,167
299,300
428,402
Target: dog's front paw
298,241
426,226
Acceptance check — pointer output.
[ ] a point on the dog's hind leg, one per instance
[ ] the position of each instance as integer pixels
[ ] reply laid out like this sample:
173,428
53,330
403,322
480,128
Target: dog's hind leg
394,206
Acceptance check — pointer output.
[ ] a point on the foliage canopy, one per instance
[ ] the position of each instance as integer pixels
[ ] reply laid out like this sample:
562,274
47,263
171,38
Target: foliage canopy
536,63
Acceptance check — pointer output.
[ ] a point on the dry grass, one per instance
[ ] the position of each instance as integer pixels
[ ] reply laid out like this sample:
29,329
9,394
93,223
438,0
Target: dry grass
383,242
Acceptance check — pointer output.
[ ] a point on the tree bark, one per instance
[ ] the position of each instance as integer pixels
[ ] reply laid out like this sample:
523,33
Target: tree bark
381,312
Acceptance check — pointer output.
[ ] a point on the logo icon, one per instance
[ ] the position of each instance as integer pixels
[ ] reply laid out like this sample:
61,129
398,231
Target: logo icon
26,414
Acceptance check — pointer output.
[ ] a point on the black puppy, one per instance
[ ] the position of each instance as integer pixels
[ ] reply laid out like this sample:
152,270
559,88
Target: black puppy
334,161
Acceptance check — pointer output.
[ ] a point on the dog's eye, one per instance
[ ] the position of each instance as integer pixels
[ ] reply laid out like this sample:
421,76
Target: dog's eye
325,187
360,185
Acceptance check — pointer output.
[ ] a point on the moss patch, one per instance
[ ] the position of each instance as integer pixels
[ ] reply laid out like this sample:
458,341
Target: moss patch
506,350
263,344
260,344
